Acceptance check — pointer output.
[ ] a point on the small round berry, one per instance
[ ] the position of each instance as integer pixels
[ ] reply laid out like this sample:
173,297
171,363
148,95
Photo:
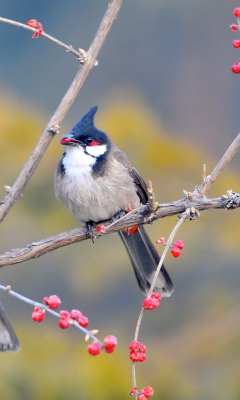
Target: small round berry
75,314
141,357
141,396
52,301
147,391
133,356
142,348
63,323
179,244
236,44
38,314
155,303
134,344
236,12
236,68
101,228
147,303
234,27
133,391
131,231
34,24
83,321
110,342
64,314
176,252
156,295
160,240
94,348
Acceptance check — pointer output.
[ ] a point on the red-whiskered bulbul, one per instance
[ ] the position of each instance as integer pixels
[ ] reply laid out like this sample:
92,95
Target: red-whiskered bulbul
8,338
95,181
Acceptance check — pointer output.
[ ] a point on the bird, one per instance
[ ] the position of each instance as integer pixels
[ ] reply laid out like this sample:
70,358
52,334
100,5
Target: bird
8,337
96,181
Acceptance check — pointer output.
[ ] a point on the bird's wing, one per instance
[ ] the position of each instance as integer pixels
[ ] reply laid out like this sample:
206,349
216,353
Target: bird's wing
141,186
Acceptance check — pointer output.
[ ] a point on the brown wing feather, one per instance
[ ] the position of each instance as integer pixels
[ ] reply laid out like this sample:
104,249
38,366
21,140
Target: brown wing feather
141,186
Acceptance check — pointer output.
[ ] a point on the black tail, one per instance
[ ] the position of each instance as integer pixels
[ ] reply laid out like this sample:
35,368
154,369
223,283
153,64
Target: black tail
145,259
8,338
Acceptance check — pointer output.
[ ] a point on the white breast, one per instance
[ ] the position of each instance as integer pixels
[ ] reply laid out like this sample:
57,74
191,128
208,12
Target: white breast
89,197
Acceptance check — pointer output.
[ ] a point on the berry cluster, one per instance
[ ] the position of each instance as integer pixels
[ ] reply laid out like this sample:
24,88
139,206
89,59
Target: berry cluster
37,25
137,351
75,315
144,393
109,345
151,302
236,43
176,248
66,318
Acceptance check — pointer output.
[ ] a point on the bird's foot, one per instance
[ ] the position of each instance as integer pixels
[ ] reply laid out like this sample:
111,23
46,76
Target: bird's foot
89,226
116,217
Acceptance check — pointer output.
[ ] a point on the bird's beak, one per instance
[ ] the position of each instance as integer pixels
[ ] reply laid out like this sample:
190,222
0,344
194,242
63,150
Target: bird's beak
69,140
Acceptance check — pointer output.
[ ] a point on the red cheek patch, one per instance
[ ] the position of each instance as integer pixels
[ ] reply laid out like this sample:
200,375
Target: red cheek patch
94,143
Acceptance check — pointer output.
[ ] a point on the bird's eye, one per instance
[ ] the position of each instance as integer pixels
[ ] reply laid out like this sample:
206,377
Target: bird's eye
88,140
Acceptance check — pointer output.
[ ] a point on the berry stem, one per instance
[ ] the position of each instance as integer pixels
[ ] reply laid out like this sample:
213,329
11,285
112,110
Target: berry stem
8,290
182,218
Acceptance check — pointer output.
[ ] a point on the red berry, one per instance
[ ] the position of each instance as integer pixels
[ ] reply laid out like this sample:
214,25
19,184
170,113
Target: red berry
234,27
176,252
52,301
34,24
64,314
75,314
133,345
128,208
141,357
148,303
131,231
94,348
63,323
142,348
236,68
156,295
147,391
179,244
38,314
133,356
83,321
155,303
101,228
160,240
236,44
141,396
133,391
110,342
236,12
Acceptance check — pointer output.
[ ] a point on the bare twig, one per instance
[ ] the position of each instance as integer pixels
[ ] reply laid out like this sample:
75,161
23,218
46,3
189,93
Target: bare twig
183,217
34,303
46,137
136,217
69,49
226,158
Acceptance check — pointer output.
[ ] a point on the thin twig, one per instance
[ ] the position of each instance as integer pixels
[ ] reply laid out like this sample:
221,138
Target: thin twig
183,217
226,158
51,128
69,49
33,303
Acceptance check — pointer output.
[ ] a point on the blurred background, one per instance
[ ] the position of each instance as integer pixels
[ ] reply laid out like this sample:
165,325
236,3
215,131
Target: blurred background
167,97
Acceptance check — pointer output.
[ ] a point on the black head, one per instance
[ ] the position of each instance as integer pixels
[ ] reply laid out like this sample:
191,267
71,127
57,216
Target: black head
85,134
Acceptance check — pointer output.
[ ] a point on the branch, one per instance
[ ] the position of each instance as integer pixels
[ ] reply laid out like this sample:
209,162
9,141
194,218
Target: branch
53,126
136,217
226,158
69,49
